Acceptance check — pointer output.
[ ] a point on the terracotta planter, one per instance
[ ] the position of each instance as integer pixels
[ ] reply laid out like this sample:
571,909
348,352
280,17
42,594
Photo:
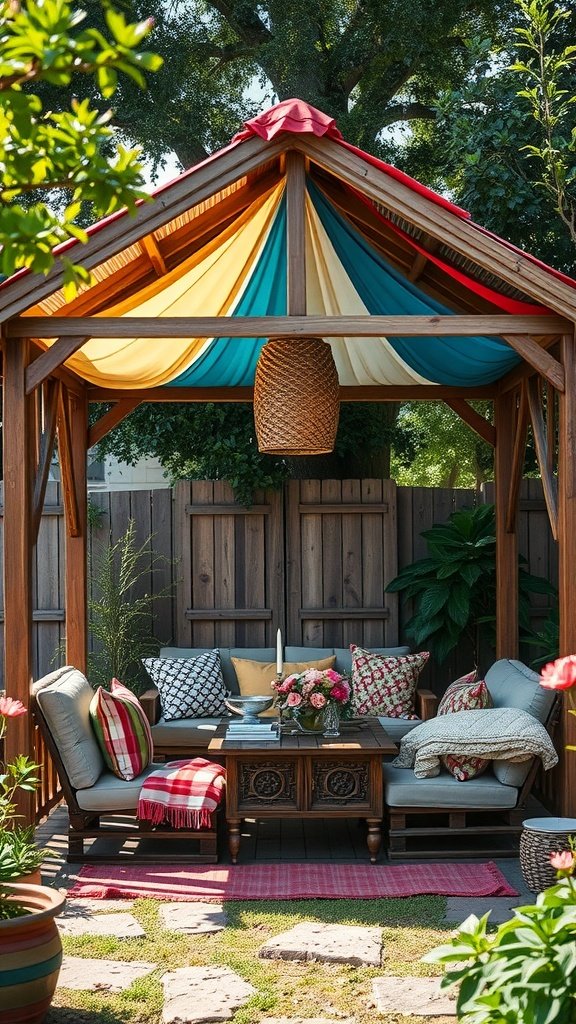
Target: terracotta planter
30,954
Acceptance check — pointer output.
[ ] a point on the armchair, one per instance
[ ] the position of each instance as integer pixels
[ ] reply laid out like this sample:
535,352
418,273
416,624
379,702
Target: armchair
61,704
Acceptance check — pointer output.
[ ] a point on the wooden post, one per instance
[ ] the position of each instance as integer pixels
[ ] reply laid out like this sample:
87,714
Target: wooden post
76,573
567,555
296,232
18,451
506,541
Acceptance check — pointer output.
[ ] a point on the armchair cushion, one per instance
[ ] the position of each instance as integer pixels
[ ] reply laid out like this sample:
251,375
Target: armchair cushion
513,684
189,687
109,793
64,699
444,791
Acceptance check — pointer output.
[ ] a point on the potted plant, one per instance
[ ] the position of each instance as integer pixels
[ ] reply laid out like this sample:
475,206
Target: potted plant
30,946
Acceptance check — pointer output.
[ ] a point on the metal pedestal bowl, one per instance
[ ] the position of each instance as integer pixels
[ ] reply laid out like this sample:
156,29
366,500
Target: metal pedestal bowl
249,707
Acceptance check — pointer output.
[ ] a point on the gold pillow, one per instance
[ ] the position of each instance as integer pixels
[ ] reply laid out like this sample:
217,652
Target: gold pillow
254,677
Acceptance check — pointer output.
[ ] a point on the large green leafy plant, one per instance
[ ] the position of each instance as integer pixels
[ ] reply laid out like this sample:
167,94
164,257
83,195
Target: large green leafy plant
454,588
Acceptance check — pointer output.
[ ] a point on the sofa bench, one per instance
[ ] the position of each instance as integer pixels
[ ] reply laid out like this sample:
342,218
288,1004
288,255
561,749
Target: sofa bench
192,735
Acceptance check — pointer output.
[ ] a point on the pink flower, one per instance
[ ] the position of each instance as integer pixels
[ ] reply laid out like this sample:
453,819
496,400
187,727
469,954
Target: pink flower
562,861
340,692
313,675
293,700
333,676
307,689
559,674
11,708
317,700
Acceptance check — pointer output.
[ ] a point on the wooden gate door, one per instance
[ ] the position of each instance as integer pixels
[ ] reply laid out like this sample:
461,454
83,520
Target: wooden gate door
341,552
230,567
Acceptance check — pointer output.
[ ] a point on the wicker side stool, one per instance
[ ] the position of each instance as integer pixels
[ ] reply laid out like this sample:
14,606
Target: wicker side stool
541,837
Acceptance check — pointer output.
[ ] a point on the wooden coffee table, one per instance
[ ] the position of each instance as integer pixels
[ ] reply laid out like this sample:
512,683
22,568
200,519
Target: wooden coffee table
306,777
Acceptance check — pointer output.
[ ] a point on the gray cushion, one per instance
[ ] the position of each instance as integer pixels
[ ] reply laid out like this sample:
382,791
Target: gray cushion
513,685
403,789
64,698
110,793
398,727
183,732
511,774
307,653
344,657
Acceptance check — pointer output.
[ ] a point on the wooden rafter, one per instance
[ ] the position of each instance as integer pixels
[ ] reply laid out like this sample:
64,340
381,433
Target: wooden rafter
356,393
52,359
67,465
122,231
538,358
52,392
111,419
149,245
420,259
549,484
478,424
506,540
458,233
518,456
286,326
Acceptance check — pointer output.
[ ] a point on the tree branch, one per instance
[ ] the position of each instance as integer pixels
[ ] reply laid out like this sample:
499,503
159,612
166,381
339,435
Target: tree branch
245,22
407,112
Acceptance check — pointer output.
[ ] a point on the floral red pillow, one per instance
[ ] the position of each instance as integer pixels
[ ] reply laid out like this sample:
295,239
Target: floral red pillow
465,694
383,684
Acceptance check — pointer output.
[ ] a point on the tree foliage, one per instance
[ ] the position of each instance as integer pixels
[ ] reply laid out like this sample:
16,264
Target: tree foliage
43,149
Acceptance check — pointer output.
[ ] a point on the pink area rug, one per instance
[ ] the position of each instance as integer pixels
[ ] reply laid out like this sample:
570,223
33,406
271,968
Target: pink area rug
289,881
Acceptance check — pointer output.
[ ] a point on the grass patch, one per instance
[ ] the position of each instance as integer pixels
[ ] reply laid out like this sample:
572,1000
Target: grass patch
283,988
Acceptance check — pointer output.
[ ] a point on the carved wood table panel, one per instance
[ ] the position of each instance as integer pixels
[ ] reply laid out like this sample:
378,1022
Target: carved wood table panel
306,776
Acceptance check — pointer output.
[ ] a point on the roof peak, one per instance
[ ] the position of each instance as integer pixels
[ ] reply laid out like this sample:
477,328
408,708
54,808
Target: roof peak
292,115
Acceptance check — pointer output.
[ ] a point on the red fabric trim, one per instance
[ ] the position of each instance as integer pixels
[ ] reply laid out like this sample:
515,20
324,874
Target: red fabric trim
504,302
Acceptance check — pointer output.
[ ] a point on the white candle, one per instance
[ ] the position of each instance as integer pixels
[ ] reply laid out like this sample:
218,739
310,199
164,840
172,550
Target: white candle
279,652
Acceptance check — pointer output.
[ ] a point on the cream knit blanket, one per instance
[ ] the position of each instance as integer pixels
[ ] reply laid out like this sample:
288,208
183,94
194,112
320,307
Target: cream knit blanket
493,733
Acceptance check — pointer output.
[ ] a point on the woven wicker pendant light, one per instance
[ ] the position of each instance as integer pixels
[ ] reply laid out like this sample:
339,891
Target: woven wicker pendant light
296,397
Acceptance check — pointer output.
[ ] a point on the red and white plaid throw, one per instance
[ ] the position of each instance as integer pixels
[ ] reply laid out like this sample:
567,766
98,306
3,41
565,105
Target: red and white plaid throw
184,794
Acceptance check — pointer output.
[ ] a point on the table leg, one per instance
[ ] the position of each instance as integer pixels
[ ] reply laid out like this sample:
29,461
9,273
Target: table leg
234,837
374,839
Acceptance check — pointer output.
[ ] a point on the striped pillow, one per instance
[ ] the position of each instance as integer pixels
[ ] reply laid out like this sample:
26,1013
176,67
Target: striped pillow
122,730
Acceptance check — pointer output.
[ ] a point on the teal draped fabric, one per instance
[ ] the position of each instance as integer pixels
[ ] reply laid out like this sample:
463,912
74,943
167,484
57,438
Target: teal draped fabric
231,362
383,290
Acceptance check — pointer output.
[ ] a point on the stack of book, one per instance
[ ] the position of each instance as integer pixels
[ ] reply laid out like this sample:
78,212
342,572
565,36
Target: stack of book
260,732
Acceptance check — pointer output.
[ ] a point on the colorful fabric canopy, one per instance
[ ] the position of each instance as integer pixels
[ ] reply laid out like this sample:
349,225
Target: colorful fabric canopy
242,272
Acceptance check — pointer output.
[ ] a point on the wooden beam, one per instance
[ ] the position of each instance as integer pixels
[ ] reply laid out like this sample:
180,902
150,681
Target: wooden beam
17,470
120,231
479,425
518,457
282,326
567,557
66,464
549,485
462,235
76,569
111,419
150,246
538,358
52,359
360,393
506,540
51,402
420,259
296,233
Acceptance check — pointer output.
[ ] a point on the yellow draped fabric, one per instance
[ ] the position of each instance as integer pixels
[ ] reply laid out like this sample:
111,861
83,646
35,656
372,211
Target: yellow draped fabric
330,292
208,284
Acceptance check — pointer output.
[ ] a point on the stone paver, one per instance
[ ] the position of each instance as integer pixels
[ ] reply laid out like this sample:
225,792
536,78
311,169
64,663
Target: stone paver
122,926
341,944
501,908
193,995
193,917
78,908
99,975
413,997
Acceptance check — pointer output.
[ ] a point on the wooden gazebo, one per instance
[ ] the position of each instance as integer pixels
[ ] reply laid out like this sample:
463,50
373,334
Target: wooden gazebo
287,231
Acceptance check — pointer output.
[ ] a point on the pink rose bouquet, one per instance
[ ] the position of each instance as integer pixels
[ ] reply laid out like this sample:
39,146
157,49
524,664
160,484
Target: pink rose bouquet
312,690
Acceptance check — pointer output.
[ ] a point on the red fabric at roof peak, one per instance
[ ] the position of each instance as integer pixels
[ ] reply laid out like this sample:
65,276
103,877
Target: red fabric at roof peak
301,118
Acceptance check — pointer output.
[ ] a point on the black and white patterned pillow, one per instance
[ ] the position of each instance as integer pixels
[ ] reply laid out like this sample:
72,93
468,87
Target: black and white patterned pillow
189,687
